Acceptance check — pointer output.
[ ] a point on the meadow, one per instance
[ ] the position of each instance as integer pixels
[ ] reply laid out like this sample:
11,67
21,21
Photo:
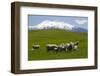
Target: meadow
56,36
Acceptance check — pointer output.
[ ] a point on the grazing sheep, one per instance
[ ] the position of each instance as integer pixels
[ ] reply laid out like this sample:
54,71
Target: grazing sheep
76,45
35,47
72,46
51,46
63,47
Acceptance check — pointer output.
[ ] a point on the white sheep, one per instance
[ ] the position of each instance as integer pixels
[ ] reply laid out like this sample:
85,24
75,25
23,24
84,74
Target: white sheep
35,47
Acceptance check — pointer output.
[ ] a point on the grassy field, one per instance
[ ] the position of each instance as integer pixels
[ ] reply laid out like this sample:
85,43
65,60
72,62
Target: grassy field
43,37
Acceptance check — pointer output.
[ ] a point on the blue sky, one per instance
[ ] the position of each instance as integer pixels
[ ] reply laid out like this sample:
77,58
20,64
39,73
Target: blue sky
73,20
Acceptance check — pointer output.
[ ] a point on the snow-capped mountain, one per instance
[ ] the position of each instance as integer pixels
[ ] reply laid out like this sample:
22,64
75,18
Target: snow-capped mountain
47,24
52,24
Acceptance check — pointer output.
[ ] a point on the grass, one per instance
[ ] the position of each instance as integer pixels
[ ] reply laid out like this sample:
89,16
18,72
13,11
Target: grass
43,37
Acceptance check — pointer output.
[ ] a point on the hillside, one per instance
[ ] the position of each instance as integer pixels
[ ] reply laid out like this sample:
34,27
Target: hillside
43,37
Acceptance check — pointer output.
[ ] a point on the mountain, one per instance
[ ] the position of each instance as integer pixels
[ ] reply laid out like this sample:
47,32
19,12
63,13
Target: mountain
52,24
78,29
47,24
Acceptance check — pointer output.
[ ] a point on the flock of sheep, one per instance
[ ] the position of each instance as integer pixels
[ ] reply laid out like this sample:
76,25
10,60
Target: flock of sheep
62,47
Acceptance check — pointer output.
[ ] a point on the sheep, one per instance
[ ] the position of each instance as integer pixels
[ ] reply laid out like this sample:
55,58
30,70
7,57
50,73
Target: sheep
35,47
72,46
76,45
69,47
62,47
51,46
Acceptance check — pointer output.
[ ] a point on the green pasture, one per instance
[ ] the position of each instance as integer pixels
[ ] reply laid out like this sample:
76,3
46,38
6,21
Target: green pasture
56,36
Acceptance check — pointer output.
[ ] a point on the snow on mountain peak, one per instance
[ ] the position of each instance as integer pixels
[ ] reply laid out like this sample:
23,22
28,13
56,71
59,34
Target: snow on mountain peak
47,24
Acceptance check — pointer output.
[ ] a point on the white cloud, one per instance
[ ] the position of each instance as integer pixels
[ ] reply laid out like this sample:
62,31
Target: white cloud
52,24
80,22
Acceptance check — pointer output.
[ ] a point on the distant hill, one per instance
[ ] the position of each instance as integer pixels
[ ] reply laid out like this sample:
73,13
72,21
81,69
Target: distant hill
79,30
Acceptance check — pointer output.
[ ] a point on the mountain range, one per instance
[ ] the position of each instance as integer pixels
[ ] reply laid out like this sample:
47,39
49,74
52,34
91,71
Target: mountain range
47,24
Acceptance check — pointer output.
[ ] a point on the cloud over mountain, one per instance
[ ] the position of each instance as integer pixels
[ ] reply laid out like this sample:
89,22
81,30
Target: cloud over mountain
47,24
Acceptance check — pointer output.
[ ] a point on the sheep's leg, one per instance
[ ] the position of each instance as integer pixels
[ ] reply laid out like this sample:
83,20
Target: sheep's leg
66,50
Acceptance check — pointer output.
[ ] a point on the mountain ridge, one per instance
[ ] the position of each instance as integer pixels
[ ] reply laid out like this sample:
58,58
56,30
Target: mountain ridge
47,24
